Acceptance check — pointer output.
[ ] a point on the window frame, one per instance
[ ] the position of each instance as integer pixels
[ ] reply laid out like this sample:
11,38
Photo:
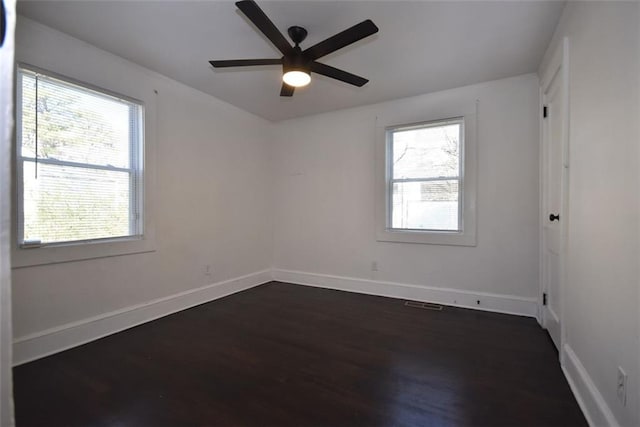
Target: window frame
24,255
464,111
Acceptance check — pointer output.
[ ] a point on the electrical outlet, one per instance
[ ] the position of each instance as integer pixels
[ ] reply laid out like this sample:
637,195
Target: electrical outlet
374,266
622,386
208,270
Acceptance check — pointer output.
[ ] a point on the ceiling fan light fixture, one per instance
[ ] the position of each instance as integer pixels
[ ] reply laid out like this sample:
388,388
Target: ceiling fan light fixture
296,78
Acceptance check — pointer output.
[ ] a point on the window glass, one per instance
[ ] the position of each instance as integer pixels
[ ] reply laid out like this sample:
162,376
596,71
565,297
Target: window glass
426,205
426,152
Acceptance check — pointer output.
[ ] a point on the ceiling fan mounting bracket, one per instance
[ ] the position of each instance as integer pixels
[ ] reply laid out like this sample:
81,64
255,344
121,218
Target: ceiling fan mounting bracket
297,34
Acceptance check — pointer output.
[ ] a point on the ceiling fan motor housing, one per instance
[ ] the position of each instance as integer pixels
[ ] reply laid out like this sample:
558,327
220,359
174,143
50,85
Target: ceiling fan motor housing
295,61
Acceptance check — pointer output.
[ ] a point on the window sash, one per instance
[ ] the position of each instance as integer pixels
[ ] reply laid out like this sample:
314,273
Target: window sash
135,169
135,214
391,181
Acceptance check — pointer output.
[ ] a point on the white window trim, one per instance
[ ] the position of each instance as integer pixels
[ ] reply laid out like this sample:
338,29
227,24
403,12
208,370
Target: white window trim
456,110
98,248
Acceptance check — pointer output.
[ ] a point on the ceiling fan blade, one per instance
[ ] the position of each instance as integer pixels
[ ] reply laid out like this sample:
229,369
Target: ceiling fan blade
244,62
337,74
264,24
287,90
342,39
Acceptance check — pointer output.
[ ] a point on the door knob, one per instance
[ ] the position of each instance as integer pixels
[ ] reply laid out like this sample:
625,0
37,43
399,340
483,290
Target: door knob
553,217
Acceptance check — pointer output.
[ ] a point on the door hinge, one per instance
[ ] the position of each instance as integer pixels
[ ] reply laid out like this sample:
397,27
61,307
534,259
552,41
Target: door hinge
545,112
544,298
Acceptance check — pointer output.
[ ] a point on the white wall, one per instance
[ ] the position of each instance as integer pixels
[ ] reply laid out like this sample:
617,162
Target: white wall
324,199
212,196
601,303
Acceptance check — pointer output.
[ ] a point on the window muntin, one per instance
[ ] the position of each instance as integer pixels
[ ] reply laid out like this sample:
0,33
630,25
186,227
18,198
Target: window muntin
424,176
79,162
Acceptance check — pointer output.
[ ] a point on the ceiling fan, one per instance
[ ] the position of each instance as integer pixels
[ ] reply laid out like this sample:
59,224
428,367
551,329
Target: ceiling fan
298,64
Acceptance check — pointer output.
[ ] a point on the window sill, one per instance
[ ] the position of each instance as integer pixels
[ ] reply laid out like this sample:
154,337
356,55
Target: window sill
54,254
427,237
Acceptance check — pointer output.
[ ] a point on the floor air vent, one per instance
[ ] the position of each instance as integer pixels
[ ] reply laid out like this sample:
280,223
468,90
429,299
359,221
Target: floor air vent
424,305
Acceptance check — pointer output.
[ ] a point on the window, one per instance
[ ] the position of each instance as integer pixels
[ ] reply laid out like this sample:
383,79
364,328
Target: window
424,176
426,180
79,163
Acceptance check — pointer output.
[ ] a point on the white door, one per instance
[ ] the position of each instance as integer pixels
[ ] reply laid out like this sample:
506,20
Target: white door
554,170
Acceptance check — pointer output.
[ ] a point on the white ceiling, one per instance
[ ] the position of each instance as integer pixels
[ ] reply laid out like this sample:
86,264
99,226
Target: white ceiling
421,47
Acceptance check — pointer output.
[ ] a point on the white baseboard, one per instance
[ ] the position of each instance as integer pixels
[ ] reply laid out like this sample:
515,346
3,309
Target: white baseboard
460,298
593,405
54,340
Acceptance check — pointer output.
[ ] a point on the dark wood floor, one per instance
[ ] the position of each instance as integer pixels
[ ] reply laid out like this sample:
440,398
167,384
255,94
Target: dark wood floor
287,355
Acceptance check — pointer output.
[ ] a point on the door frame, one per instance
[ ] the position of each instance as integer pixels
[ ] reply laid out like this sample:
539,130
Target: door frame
559,63
6,136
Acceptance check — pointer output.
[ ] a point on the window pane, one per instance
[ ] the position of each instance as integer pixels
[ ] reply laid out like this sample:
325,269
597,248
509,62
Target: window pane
427,152
68,203
426,205
28,129
75,124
